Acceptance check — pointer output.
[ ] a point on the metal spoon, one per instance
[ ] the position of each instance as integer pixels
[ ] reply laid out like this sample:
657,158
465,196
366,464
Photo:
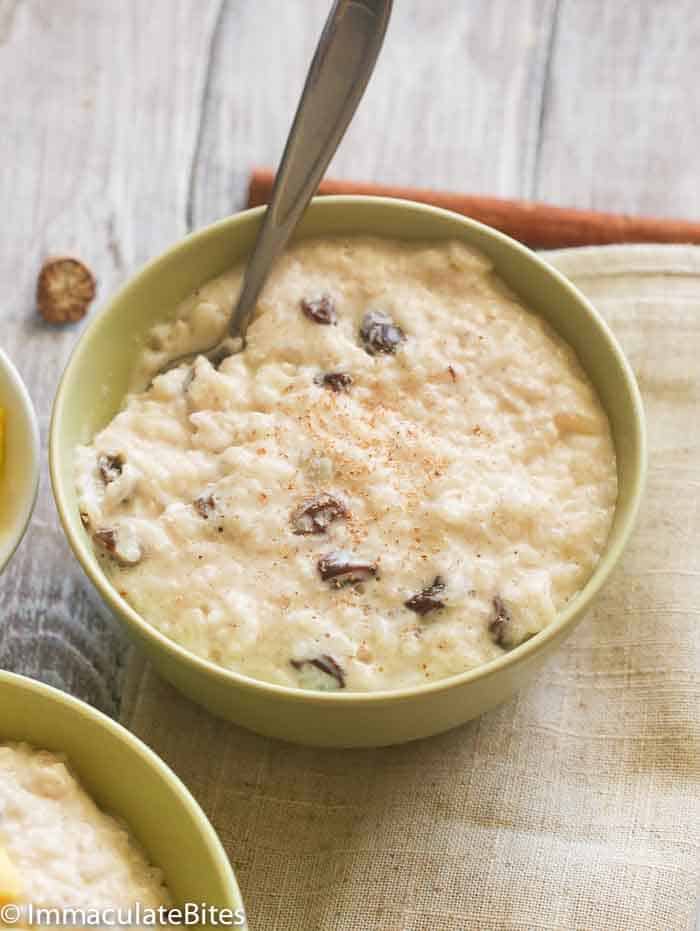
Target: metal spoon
341,67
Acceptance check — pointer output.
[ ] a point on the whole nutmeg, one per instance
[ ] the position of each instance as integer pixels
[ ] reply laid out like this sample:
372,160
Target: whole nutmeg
64,289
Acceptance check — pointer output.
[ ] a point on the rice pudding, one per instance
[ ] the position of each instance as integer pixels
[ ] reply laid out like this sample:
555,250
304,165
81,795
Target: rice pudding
57,849
405,474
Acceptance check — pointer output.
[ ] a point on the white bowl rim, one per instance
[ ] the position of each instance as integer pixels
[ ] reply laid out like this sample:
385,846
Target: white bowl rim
29,416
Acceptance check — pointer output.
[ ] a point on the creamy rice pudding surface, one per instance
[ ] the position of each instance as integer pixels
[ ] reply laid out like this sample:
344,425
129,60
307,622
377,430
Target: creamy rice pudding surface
404,474
57,849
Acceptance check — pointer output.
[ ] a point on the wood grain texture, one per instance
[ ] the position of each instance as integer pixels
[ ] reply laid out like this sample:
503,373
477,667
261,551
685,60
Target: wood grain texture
620,118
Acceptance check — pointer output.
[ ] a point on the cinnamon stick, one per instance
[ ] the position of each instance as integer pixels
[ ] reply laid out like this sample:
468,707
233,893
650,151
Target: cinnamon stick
538,225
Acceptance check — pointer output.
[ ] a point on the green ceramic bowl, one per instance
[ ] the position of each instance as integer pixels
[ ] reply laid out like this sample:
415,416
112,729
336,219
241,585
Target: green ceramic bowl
126,779
93,388
19,476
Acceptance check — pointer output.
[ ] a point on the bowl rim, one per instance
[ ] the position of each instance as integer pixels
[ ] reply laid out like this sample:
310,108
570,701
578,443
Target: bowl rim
513,658
151,758
28,413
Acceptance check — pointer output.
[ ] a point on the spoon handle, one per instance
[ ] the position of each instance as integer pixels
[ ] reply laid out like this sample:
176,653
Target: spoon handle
341,67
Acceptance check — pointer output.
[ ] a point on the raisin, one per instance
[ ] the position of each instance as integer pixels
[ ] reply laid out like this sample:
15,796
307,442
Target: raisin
205,506
427,600
336,381
320,310
108,539
500,624
340,569
110,467
84,519
326,664
315,514
380,334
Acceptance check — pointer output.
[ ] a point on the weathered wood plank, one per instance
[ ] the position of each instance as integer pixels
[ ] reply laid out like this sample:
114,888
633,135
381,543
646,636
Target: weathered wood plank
621,119
455,100
100,111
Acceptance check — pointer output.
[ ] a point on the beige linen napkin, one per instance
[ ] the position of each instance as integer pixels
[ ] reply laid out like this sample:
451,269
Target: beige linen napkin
576,805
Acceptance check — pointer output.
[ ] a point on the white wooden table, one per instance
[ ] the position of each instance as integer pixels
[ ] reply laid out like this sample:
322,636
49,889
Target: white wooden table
125,124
